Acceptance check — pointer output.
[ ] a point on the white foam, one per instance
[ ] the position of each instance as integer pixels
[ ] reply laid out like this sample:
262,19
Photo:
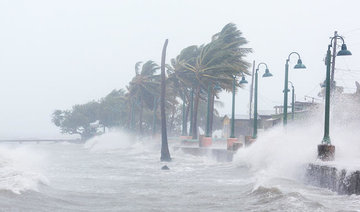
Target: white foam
118,140
284,153
20,169
109,141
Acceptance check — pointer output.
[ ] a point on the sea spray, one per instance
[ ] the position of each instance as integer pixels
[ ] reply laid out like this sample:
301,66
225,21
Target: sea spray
115,140
285,152
277,153
21,168
111,140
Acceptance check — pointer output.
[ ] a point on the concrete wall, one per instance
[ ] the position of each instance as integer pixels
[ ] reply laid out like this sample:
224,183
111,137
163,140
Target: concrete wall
341,181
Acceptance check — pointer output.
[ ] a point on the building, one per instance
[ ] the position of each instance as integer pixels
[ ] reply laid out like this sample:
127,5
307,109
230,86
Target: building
244,125
301,109
266,119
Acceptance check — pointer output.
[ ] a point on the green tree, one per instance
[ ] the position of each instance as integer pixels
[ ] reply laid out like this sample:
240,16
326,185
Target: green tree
113,109
81,119
143,88
165,153
215,63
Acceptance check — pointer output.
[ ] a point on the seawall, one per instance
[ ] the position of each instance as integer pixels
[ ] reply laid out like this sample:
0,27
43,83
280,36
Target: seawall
340,180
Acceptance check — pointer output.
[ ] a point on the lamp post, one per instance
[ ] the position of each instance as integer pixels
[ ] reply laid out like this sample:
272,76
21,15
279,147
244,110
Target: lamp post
232,140
292,101
266,74
299,65
326,151
242,81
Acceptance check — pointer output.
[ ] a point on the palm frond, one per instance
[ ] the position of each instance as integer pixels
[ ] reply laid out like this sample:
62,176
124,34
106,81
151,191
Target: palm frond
137,67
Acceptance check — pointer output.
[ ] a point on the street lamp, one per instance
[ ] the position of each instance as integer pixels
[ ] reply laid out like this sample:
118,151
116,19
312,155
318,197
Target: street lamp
232,140
266,74
326,151
299,65
242,81
292,100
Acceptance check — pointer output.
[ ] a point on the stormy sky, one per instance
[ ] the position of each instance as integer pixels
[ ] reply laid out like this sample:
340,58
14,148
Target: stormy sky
54,54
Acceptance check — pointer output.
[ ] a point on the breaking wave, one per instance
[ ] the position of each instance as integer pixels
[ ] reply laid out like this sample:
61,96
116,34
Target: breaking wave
20,169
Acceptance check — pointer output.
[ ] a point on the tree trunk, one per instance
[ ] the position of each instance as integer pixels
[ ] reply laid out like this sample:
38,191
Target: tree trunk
165,154
154,117
187,116
130,116
141,118
211,118
191,108
172,119
196,105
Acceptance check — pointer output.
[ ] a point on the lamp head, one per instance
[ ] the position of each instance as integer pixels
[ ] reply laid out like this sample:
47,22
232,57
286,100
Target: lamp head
267,73
288,90
323,85
243,80
217,87
344,51
299,65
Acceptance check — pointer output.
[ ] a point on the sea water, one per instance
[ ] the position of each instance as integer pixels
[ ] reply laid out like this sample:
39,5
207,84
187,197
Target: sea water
117,172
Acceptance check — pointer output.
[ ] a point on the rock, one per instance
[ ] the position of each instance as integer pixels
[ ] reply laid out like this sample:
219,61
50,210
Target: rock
165,168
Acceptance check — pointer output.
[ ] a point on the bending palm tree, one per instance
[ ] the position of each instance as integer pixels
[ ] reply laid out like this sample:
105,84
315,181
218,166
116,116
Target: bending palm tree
143,88
165,154
218,62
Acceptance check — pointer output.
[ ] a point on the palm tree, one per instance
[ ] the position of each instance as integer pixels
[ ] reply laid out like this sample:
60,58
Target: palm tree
178,84
143,88
165,154
217,62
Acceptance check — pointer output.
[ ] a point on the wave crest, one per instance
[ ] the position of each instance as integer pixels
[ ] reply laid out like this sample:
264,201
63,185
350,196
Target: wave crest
20,169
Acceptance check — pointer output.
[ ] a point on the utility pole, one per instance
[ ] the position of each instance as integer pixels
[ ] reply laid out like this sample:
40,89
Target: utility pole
333,63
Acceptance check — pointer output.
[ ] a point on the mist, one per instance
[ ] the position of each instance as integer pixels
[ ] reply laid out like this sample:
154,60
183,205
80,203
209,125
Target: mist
57,54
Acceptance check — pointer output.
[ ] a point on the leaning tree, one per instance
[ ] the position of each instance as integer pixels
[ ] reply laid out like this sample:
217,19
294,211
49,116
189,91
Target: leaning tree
216,63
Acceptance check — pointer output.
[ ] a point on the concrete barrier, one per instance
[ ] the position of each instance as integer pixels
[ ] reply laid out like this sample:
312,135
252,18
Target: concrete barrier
249,140
190,142
220,155
341,181
205,141
233,144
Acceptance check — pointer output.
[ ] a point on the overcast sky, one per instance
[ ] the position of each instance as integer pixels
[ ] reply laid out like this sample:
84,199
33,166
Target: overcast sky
54,54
